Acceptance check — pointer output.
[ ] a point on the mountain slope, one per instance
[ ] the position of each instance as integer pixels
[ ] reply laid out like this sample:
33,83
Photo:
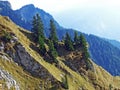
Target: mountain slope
21,78
50,67
92,80
115,43
104,54
26,16
23,18
20,56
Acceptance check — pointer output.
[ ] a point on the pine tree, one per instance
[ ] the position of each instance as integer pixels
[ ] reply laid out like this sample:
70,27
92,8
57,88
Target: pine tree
83,44
34,27
76,38
52,51
86,54
41,45
38,31
68,42
82,41
38,28
53,35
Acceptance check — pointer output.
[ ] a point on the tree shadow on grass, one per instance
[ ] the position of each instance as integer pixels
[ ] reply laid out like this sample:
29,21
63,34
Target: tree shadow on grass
28,34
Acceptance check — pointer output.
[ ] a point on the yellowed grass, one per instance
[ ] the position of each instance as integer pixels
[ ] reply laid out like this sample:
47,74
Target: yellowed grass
105,79
24,79
75,80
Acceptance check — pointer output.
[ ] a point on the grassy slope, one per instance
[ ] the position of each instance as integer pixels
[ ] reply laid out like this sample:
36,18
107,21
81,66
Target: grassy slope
75,80
105,79
23,78
51,68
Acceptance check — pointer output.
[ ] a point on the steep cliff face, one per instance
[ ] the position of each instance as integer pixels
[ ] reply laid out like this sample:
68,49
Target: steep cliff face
29,70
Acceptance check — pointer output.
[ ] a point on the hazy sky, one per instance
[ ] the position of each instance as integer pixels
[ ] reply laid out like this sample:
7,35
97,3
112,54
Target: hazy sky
62,5
99,17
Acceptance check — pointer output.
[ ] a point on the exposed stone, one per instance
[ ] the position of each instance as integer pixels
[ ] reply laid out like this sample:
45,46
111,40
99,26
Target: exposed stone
14,39
10,81
2,46
23,58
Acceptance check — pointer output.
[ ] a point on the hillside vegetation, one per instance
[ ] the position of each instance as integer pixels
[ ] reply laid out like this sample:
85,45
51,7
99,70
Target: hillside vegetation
104,54
62,74
97,46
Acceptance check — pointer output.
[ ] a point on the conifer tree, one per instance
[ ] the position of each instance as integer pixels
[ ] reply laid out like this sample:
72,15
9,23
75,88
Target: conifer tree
83,44
86,54
38,28
52,51
82,41
41,45
76,38
38,31
53,35
68,42
34,27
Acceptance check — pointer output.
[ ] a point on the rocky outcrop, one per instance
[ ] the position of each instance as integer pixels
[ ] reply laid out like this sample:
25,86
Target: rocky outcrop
2,46
75,61
23,58
12,50
10,81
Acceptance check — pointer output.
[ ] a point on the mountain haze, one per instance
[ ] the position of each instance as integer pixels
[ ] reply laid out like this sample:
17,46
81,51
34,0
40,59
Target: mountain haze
115,43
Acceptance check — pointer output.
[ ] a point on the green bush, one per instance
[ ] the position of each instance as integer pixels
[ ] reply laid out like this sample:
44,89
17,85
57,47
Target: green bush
65,82
7,37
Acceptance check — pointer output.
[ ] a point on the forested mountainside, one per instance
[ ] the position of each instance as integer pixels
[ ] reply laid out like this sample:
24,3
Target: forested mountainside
23,18
115,43
105,54
23,66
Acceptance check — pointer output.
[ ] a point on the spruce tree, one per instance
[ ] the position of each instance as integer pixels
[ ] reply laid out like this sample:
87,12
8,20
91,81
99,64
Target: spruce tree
41,45
37,27
38,30
52,51
53,35
76,38
68,42
40,26
34,27
86,54
82,41
83,44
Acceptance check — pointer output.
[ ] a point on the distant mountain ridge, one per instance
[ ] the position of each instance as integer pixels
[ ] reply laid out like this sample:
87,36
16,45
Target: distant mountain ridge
115,43
23,16
103,53
27,12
